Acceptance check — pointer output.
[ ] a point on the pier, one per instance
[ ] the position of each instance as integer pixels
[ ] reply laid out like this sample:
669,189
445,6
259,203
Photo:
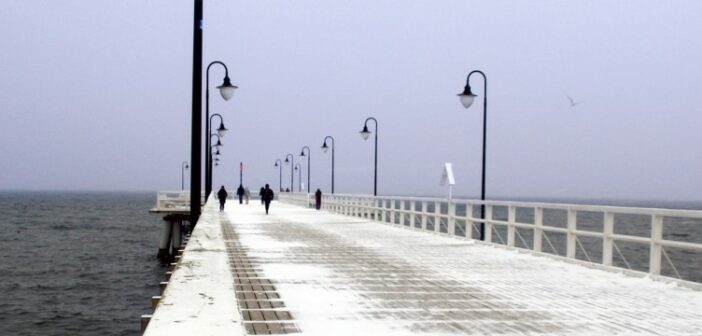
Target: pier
368,265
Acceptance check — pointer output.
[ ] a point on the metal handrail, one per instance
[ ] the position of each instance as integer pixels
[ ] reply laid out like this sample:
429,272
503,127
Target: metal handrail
387,208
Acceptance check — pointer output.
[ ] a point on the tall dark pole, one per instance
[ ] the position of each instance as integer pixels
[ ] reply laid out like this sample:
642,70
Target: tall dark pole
183,167
324,147
208,165
241,173
279,164
196,127
468,94
292,163
365,134
298,167
309,155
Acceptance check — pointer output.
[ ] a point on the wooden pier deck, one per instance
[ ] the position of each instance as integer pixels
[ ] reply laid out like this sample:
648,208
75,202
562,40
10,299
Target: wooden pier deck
311,272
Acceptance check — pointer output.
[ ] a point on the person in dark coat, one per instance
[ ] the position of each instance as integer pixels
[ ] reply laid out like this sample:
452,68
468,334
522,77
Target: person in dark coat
260,193
318,199
222,195
240,192
268,196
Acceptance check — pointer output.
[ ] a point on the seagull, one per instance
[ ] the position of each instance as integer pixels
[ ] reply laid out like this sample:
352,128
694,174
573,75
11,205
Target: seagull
572,102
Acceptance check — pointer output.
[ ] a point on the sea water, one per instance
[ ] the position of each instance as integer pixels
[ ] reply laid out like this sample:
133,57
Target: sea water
77,263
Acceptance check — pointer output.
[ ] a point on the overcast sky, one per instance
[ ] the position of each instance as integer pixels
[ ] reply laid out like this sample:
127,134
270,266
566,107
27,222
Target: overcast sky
96,95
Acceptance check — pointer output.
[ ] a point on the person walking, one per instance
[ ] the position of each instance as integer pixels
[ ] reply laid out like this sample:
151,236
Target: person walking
318,199
240,193
268,196
247,195
260,194
222,195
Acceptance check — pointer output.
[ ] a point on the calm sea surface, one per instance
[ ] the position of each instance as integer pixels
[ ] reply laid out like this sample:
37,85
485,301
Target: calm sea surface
84,263
77,263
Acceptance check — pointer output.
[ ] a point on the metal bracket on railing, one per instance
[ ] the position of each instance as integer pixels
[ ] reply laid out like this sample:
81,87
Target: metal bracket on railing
583,249
665,254
622,255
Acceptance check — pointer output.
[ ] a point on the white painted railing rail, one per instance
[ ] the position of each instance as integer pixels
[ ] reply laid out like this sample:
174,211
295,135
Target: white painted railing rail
568,225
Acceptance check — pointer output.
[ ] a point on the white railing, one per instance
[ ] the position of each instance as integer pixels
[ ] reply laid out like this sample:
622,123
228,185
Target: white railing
297,198
568,230
175,200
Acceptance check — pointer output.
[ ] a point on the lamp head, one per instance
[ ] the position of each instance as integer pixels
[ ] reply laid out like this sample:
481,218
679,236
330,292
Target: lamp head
186,166
467,97
365,133
222,131
287,161
324,147
218,144
226,89
276,164
302,153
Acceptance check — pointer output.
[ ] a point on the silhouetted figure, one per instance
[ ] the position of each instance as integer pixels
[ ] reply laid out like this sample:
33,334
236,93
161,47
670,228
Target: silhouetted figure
318,199
260,194
240,193
222,195
287,189
268,196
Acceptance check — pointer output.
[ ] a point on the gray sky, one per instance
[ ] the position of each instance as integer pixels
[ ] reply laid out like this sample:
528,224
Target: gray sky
95,95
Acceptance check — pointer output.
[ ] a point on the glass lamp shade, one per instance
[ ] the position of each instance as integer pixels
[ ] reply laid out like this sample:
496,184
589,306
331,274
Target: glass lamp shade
222,131
365,133
467,97
276,164
324,147
226,89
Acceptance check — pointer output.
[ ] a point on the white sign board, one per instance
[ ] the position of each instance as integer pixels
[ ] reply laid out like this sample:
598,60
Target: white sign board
447,176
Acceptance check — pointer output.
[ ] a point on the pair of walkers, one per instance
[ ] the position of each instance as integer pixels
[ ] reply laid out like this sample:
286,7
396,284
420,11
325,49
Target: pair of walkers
266,194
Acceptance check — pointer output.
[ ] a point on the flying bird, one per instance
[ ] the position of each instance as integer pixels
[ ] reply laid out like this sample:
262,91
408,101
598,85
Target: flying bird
572,102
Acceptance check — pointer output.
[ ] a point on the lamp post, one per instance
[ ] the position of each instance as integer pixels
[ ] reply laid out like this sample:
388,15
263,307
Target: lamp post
299,177
221,132
226,90
365,133
291,162
302,153
324,149
208,171
279,164
467,98
183,167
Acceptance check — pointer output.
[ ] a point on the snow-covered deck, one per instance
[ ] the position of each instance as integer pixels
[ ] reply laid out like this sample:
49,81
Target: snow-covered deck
338,275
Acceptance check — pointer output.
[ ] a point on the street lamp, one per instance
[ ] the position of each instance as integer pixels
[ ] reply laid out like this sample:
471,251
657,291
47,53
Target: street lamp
467,97
302,153
299,177
291,162
324,149
365,133
279,164
183,167
226,90
221,132
208,169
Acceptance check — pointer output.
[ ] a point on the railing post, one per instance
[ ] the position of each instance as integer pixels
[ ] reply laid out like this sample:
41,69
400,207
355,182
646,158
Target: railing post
424,215
538,228
511,220
654,263
437,217
375,208
469,222
488,223
413,216
451,228
402,212
383,212
571,236
607,241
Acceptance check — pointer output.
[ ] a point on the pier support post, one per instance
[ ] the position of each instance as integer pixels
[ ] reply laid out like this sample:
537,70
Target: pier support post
164,241
607,241
654,264
511,220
